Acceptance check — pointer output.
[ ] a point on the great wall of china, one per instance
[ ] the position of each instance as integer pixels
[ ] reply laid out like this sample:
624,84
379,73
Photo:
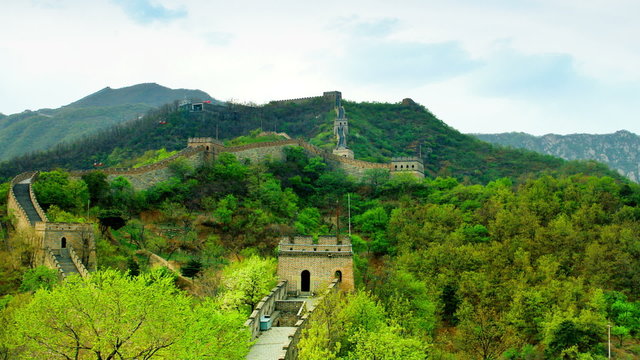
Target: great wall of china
68,248
307,268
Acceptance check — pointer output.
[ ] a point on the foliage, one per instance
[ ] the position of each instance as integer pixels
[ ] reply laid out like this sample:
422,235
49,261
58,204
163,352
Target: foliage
255,136
40,277
355,326
246,282
111,314
57,188
377,132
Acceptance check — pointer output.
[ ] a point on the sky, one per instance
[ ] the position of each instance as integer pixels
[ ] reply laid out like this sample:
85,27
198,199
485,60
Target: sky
536,66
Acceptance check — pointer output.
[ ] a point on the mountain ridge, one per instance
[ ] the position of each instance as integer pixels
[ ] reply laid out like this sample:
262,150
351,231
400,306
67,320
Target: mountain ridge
41,129
620,150
377,132
147,93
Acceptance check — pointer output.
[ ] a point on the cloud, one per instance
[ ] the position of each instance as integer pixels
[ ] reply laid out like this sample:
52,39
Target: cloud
510,73
218,38
404,63
355,27
144,12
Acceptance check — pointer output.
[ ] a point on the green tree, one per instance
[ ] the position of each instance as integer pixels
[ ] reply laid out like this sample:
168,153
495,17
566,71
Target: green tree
37,278
113,316
98,187
56,188
387,344
246,282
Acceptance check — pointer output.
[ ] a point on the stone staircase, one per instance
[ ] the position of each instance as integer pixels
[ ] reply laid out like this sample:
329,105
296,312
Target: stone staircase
67,265
21,192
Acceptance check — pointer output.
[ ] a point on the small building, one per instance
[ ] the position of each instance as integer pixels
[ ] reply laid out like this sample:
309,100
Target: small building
309,266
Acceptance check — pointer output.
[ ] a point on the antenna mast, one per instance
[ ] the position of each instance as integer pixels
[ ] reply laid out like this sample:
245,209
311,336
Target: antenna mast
349,207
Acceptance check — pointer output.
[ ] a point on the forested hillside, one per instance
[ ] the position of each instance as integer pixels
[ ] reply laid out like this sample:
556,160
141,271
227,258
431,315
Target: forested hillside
620,150
377,132
31,131
444,269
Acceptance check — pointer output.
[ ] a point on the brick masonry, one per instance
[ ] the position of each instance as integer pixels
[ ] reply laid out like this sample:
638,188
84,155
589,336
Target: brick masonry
323,261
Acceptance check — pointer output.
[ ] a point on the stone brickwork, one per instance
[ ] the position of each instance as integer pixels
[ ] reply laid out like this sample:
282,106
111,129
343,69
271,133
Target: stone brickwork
266,306
258,152
411,165
334,96
144,177
290,350
47,238
290,312
74,235
320,263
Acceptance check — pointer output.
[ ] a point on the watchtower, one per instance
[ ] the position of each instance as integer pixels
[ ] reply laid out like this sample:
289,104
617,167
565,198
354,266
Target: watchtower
411,165
341,130
309,266
210,144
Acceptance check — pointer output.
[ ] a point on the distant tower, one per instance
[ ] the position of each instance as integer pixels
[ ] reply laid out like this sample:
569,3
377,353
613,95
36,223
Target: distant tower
341,130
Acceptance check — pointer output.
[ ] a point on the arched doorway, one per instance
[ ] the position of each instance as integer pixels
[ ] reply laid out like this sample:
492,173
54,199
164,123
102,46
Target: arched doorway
305,281
63,243
339,275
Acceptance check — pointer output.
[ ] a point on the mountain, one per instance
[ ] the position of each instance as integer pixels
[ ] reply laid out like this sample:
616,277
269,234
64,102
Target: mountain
39,130
149,93
377,132
620,150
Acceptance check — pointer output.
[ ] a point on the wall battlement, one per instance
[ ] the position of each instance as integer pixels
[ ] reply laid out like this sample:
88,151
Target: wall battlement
334,96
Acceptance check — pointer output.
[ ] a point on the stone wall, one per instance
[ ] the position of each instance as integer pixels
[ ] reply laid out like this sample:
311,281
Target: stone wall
266,306
35,202
14,208
290,350
411,165
258,152
144,177
290,312
50,261
353,167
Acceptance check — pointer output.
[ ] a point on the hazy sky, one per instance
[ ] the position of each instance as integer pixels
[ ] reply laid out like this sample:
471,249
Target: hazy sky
560,66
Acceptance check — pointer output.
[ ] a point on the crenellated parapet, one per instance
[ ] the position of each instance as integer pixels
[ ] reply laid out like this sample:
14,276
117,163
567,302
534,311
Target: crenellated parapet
334,96
266,306
185,153
410,165
34,201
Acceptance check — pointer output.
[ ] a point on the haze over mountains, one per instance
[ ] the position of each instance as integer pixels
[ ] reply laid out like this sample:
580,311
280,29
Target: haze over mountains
620,150
31,131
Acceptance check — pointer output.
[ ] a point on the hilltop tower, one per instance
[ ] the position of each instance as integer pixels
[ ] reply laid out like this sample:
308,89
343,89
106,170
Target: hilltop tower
308,267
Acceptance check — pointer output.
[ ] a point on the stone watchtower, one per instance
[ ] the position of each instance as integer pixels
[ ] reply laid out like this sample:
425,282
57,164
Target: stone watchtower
211,146
407,165
309,267
341,130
